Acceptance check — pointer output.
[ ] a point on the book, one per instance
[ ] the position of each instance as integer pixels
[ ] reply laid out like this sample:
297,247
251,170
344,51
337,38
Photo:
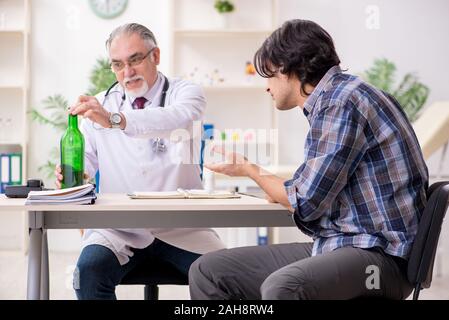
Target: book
84,194
183,194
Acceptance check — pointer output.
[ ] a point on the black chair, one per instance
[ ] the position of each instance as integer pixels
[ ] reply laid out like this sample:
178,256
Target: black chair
422,256
152,274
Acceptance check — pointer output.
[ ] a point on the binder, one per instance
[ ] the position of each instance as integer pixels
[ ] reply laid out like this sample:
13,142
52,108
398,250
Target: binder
15,168
10,170
4,171
4,165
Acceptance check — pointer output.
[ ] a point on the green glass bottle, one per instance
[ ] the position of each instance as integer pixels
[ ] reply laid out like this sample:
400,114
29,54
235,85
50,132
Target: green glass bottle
72,155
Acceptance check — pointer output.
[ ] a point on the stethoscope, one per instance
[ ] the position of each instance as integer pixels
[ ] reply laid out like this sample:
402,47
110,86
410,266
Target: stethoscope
157,144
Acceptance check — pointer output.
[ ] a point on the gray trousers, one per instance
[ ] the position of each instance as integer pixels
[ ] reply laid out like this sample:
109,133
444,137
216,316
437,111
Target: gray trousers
288,271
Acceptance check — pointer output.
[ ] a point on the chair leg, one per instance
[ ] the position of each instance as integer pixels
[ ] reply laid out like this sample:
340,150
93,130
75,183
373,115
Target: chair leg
416,291
151,292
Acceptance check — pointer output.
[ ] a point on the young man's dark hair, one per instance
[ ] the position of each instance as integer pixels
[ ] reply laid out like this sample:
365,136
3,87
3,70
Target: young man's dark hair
301,48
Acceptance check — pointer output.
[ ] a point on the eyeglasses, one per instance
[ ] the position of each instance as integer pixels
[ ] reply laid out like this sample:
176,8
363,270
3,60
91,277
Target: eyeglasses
134,61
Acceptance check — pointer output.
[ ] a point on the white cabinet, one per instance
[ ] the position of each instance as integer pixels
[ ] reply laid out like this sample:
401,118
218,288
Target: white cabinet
212,49
14,99
14,77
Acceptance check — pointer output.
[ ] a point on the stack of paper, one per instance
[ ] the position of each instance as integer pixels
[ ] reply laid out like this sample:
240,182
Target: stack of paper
84,194
184,194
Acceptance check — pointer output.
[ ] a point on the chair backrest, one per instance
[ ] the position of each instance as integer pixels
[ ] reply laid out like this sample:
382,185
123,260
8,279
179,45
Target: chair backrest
422,256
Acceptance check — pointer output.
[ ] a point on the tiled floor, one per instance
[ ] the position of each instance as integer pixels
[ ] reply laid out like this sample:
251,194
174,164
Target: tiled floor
13,270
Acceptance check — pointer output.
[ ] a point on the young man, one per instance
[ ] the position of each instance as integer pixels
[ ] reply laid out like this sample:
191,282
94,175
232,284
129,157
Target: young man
359,193
127,134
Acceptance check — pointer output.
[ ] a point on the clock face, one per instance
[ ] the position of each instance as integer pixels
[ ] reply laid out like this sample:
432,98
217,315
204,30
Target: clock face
108,8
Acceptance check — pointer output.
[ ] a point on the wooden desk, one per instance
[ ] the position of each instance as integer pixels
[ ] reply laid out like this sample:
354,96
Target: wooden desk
119,211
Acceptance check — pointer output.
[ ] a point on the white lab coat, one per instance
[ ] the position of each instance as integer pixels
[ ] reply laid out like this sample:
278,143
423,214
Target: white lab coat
126,161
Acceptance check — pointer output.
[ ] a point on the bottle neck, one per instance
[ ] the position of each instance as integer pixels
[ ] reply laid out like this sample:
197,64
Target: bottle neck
73,121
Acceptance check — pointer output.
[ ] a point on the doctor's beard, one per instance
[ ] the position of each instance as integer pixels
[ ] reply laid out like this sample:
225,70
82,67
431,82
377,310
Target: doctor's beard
138,92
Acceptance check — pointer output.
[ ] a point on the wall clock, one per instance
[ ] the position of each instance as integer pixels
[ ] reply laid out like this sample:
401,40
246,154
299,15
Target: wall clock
108,9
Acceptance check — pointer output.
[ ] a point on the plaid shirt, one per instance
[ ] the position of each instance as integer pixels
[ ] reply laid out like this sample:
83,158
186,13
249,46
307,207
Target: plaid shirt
363,181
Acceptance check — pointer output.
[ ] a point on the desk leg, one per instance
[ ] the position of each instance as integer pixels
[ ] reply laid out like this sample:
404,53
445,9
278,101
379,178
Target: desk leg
45,290
34,265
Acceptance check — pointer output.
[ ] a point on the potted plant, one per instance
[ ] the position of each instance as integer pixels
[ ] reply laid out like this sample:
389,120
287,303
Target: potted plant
410,93
224,8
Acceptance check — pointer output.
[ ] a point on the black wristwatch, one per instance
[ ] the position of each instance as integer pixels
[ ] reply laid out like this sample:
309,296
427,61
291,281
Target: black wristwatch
115,119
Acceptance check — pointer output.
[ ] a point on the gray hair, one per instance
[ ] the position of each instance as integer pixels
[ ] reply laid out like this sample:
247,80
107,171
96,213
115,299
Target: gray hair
133,28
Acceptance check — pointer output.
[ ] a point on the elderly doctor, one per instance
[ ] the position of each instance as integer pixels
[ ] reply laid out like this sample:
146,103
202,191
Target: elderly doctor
127,138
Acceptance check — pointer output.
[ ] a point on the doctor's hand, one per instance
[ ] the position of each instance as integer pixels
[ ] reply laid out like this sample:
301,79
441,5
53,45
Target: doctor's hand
59,176
90,108
234,165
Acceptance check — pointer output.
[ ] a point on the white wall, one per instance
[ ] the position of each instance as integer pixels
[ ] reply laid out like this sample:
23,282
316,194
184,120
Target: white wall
67,38
412,34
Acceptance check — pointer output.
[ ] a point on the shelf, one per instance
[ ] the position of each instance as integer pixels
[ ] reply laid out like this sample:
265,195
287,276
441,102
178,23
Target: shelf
10,143
285,172
4,86
231,87
8,147
221,32
19,31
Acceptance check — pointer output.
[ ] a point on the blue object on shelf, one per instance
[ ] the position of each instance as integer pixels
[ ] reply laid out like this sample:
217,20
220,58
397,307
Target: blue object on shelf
208,134
97,182
262,236
10,170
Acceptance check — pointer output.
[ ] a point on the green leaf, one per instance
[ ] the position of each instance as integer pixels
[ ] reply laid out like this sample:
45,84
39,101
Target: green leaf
381,74
48,169
58,117
101,77
411,93
223,6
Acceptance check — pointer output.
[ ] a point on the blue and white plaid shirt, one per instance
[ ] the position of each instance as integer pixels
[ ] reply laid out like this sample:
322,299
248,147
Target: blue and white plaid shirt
363,181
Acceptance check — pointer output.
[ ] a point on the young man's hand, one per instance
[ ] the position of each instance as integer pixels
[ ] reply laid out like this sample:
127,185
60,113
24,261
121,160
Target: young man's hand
270,199
234,164
90,108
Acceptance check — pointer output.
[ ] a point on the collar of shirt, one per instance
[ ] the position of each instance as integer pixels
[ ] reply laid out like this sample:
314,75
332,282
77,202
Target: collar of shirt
151,94
311,100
